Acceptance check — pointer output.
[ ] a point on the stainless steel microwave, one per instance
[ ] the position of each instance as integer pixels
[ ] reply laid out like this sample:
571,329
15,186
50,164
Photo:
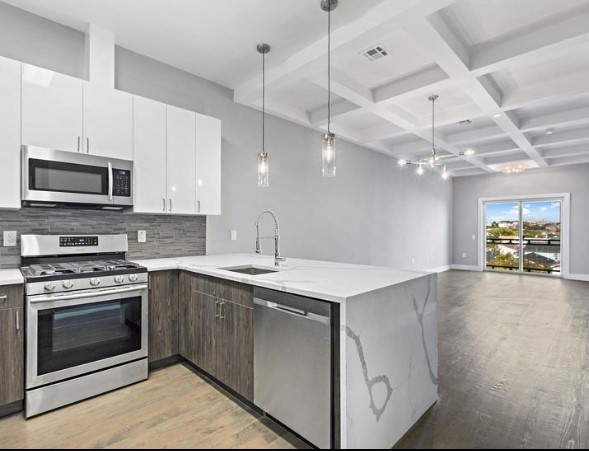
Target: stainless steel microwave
53,178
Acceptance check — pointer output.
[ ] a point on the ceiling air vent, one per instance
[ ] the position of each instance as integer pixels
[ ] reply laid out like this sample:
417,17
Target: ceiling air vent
374,52
465,122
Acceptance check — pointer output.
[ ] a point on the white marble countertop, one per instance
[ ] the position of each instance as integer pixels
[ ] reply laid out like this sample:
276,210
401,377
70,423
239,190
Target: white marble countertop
334,282
11,277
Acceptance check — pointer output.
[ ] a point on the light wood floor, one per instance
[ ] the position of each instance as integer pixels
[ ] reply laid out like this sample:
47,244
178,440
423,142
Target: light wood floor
514,373
175,408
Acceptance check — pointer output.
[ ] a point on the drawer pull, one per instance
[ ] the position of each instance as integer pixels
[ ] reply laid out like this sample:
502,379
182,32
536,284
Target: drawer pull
17,319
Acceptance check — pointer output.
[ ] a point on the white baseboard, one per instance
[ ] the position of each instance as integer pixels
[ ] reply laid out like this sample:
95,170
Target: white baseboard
583,277
465,267
439,269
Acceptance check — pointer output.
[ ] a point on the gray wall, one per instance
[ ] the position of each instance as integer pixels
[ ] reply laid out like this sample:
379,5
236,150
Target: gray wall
567,179
372,212
167,236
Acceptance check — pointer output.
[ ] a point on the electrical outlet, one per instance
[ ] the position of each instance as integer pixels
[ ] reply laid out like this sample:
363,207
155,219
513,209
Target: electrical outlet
474,237
464,255
9,239
234,235
141,236
412,261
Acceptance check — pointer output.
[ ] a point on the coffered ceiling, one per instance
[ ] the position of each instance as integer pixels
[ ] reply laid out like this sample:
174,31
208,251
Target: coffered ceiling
512,75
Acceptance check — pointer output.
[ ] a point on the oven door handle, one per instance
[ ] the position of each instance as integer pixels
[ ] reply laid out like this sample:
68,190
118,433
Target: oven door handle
84,295
110,181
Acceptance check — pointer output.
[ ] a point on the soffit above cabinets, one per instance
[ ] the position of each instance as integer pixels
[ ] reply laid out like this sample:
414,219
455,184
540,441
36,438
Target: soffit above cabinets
511,75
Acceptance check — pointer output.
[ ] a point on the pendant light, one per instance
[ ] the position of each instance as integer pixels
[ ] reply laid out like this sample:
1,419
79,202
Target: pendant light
328,143
263,163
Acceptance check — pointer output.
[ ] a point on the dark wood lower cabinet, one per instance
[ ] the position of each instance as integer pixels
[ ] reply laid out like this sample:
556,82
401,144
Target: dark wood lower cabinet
163,315
12,363
235,350
216,334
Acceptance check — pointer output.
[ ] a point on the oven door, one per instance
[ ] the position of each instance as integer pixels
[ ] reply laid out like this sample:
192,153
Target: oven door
73,334
53,176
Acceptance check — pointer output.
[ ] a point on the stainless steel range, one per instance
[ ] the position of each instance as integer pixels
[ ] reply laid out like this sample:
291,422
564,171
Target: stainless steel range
87,317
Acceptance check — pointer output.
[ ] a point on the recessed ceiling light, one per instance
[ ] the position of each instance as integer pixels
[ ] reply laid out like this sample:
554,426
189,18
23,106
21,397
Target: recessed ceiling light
550,131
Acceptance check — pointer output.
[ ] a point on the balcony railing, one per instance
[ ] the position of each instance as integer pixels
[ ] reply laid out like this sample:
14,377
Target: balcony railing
533,249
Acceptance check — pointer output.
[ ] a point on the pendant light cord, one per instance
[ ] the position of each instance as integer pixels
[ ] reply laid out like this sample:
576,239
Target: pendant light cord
329,69
264,103
433,127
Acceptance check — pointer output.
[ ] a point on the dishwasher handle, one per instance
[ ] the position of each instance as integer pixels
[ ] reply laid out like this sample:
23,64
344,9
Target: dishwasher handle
293,311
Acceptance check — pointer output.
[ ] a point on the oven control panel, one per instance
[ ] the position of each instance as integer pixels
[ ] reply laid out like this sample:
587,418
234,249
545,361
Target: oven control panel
71,241
121,183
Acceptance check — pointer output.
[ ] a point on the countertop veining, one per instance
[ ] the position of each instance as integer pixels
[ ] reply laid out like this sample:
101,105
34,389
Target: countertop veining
334,282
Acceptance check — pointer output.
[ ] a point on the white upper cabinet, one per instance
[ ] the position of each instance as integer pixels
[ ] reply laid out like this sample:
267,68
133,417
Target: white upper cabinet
150,156
181,144
10,82
52,105
108,122
208,165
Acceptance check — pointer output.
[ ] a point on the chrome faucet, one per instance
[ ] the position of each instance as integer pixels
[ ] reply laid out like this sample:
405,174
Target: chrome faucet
277,257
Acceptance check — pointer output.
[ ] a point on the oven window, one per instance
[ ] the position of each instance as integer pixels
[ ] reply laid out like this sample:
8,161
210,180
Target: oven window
67,177
72,336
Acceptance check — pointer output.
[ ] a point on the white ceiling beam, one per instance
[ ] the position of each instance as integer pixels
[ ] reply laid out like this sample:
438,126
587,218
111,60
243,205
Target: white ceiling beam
381,132
514,156
539,43
495,147
452,116
566,137
413,84
451,54
475,135
580,159
567,86
389,13
339,108
578,116
569,151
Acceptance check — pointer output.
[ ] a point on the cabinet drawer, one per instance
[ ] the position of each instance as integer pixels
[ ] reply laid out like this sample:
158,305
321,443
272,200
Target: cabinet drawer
11,296
228,290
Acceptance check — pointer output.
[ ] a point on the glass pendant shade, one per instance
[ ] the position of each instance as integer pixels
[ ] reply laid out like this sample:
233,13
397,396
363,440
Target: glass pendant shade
263,170
328,155
445,174
419,169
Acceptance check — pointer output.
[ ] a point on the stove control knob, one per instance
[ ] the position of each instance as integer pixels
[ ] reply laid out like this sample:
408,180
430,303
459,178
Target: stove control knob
119,279
68,284
133,277
49,286
94,281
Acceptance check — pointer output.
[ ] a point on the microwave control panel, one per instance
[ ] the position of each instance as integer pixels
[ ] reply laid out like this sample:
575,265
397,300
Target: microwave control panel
121,183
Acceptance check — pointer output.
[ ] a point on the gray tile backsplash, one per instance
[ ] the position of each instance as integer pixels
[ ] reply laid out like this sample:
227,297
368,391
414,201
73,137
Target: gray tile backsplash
167,236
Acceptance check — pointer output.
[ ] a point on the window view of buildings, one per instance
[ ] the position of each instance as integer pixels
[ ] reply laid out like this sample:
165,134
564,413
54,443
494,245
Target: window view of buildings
536,242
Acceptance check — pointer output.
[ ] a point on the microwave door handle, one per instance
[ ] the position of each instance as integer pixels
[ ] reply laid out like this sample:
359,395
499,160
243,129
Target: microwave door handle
110,181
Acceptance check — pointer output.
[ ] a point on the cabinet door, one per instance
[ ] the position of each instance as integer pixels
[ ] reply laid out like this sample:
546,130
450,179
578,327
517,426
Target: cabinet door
208,165
181,161
108,122
163,315
52,108
10,83
197,343
11,355
235,349
149,156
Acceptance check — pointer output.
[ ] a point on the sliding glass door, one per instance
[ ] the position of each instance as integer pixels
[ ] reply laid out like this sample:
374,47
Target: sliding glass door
523,236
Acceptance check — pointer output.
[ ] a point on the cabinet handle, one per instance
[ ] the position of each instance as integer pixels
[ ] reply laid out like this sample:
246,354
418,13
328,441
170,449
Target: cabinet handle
222,310
217,314
3,297
164,204
87,145
170,200
78,143
198,206
17,319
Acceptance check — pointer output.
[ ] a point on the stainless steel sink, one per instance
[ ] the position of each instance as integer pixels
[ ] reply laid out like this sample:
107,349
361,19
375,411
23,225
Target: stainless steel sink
250,270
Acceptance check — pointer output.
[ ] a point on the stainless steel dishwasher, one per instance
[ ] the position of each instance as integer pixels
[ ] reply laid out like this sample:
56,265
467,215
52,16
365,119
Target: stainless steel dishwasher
292,362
